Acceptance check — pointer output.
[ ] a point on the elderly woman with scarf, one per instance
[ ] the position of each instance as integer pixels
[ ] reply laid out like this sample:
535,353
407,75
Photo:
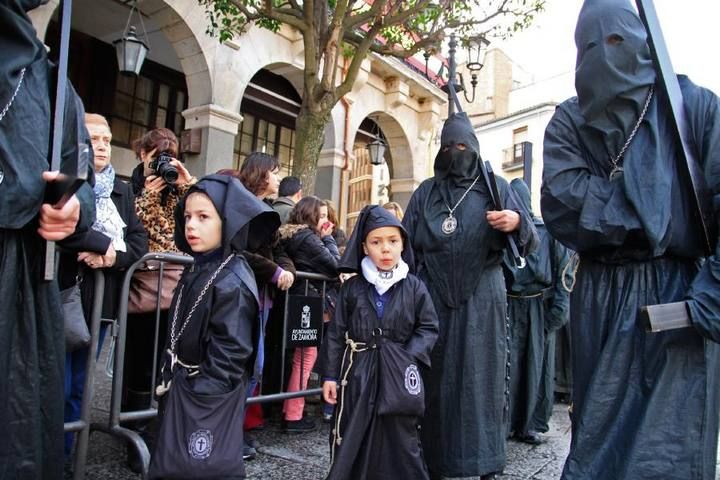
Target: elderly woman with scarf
116,240
458,243
31,324
645,405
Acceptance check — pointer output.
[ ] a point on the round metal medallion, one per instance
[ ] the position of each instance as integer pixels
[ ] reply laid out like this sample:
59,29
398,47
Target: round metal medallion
449,225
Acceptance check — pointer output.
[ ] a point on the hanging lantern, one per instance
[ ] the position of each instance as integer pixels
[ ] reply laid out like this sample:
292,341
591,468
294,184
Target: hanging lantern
131,50
376,148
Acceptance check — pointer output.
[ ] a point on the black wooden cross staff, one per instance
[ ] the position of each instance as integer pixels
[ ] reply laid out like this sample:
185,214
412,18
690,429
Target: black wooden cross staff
64,187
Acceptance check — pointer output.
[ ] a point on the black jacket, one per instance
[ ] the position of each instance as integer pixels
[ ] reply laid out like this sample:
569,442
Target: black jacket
309,253
93,241
223,329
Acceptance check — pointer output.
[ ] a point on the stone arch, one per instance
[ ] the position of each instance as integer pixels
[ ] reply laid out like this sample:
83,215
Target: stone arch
401,155
169,16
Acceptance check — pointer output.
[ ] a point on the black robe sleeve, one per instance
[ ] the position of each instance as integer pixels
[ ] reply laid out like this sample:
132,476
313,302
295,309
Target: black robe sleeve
562,265
426,329
229,339
582,210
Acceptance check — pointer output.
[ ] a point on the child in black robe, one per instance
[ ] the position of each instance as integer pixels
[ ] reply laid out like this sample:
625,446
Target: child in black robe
213,332
381,313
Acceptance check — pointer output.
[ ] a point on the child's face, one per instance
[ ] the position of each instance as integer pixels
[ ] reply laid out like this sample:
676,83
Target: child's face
384,246
203,226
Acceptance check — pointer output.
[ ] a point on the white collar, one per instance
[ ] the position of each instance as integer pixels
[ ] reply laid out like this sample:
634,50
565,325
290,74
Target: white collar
383,279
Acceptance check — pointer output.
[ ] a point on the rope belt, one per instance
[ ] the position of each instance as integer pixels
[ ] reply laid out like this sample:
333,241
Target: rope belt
352,347
545,293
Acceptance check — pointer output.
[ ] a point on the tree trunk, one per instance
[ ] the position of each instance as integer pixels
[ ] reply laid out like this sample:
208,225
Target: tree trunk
309,138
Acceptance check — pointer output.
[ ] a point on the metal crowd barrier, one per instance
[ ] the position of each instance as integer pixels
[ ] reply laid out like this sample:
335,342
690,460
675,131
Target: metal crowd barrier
117,417
82,425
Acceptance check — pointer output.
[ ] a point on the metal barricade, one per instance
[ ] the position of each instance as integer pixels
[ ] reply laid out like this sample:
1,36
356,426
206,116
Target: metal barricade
117,417
82,425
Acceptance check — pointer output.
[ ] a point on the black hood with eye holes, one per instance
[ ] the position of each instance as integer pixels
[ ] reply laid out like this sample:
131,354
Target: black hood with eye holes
454,163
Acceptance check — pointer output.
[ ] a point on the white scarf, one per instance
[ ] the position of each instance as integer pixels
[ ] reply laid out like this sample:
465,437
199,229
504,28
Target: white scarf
107,217
383,279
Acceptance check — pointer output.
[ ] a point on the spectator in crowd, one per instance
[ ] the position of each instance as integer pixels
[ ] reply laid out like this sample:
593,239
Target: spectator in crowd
116,240
458,245
289,193
217,298
273,269
645,404
307,239
155,204
395,208
538,305
31,324
387,307
338,233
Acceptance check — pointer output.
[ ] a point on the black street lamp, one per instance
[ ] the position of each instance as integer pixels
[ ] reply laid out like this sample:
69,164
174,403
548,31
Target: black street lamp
476,47
131,51
377,147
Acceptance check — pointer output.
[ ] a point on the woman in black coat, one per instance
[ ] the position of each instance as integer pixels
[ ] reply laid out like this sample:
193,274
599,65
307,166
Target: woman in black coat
116,240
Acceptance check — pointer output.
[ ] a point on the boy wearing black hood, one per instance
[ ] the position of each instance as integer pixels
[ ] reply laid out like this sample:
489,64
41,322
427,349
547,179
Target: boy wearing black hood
213,332
382,333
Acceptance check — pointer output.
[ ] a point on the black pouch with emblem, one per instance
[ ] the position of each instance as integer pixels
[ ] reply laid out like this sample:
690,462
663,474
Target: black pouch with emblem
201,435
401,390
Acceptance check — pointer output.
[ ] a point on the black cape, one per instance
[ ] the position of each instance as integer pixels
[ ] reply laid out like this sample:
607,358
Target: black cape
467,385
645,404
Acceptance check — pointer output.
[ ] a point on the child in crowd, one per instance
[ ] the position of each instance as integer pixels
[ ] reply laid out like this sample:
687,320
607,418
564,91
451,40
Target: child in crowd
307,239
382,333
213,332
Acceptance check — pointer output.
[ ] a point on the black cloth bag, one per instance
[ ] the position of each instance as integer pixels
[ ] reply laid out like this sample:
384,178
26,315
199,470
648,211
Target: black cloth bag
401,389
201,435
77,334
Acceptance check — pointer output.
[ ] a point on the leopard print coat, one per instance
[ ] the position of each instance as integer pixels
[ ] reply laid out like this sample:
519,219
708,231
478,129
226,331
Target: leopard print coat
159,220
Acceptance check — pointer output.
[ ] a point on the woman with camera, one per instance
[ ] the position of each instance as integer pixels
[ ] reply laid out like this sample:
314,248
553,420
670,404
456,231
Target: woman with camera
159,182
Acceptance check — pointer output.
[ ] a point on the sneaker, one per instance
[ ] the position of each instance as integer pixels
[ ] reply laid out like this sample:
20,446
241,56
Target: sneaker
303,425
249,453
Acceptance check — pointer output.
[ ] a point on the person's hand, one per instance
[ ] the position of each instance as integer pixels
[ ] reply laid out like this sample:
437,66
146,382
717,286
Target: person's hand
109,257
285,280
58,223
92,260
154,183
505,220
330,392
326,229
184,177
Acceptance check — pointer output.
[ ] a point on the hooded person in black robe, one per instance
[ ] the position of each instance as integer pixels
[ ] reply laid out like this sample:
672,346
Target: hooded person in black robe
396,307
218,344
463,431
538,305
645,405
31,325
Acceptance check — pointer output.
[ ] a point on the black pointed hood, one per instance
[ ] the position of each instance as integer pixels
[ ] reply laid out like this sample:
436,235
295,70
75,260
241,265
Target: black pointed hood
20,45
248,223
453,163
611,79
372,217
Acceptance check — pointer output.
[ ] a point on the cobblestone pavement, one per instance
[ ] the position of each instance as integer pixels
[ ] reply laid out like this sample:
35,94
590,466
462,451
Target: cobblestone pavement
306,456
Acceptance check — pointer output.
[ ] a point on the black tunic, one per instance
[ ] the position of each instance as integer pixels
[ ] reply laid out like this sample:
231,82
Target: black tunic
373,446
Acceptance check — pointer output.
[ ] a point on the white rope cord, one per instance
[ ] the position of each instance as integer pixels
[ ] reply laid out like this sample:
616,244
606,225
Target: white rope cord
575,261
353,347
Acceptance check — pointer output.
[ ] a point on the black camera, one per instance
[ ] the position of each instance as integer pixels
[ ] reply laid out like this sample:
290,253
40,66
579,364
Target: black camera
162,166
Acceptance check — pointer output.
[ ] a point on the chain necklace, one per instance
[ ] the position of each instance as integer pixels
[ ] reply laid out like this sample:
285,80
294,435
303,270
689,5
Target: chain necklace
450,224
12,99
617,170
174,337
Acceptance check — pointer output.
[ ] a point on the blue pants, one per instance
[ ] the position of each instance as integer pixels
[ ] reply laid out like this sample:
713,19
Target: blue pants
75,372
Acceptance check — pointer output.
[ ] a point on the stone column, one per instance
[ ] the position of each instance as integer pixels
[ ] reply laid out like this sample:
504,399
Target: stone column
219,127
329,173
